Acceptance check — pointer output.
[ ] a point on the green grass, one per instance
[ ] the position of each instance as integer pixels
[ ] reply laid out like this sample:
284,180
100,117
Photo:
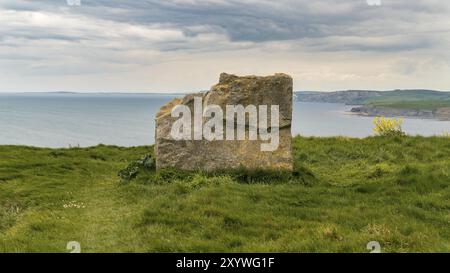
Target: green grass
411,99
419,105
349,192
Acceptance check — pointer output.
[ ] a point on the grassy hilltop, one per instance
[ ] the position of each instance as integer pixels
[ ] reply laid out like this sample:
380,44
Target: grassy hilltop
396,103
348,192
412,99
363,97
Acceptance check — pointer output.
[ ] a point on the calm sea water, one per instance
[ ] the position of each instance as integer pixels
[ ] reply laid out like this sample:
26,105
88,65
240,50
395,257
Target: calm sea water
63,120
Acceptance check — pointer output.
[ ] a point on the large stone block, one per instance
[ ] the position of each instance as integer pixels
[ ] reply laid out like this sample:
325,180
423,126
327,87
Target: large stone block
200,154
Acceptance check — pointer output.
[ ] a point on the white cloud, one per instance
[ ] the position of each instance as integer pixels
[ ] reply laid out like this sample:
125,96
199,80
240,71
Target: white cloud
182,45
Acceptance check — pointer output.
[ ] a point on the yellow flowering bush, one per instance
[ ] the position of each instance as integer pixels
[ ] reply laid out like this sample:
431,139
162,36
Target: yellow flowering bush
388,126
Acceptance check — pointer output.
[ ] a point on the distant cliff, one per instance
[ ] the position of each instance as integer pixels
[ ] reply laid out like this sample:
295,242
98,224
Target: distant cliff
376,111
397,103
354,97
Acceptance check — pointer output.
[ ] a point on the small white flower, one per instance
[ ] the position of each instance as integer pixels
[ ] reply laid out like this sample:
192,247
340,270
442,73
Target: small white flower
74,204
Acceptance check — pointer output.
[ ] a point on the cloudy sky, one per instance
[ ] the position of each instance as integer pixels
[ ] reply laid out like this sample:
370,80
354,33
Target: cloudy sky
183,45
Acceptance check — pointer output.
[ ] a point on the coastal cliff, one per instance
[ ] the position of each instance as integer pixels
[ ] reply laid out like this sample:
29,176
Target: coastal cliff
376,111
426,104
351,97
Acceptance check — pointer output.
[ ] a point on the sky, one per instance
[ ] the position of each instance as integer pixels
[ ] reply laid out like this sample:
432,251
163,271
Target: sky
183,45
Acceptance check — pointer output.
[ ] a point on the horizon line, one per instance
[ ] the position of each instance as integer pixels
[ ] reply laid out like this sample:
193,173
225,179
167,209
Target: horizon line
190,92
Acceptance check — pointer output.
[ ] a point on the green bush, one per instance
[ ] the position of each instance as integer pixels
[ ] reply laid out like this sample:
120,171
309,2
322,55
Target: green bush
132,170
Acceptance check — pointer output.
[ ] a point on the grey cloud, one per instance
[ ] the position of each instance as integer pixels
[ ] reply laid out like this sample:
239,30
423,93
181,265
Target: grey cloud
103,36
260,21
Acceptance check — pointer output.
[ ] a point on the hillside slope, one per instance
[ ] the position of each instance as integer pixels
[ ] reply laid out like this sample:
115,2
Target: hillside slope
397,103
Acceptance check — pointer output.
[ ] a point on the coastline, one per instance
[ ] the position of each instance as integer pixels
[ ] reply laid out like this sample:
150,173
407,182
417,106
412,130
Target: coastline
440,114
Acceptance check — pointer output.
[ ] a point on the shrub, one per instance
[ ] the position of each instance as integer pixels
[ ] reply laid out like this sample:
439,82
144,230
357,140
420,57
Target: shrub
131,171
388,126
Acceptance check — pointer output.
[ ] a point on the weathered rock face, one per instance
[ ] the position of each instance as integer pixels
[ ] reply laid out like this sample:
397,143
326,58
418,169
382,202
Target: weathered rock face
190,154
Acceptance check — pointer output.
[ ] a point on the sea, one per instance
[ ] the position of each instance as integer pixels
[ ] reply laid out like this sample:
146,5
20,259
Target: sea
87,119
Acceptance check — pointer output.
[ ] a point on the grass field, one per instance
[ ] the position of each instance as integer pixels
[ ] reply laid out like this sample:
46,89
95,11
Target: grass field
419,105
412,99
349,192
